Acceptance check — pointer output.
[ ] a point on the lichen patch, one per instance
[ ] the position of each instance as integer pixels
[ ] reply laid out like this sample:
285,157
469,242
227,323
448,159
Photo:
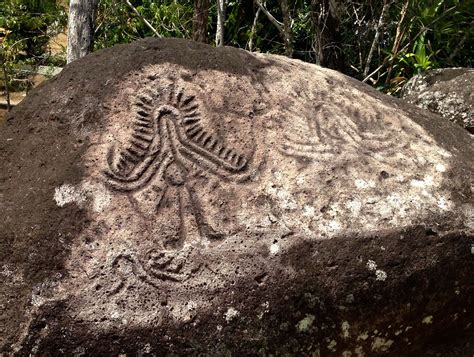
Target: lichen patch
231,314
345,329
67,193
381,344
306,323
428,320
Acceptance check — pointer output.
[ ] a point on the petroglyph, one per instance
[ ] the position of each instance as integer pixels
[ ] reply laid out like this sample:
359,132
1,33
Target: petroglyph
350,130
156,266
169,144
192,207
342,127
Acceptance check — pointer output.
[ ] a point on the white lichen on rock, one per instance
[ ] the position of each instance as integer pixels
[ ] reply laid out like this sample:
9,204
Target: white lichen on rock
446,92
332,346
380,275
444,204
371,265
428,320
274,249
345,329
440,168
97,194
363,336
306,323
362,184
67,193
308,211
381,344
231,314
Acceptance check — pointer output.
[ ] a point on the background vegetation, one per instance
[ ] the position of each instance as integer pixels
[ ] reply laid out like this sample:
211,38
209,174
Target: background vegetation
380,42
26,28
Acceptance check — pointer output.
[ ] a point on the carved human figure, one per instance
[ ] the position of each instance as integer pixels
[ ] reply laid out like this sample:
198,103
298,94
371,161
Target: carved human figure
170,144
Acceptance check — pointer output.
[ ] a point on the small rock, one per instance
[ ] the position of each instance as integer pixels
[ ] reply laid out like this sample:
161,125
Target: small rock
447,92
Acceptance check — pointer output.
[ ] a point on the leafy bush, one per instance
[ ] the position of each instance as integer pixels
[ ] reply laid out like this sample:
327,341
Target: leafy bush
415,35
432,34
116,22
28,25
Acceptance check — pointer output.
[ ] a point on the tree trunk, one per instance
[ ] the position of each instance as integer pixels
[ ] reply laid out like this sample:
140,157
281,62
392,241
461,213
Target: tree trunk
201,14
6,80
221,7
286,29
327,43
81,25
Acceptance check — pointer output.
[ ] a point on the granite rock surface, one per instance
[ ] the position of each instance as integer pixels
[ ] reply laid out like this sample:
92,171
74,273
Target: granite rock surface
448,92
169,198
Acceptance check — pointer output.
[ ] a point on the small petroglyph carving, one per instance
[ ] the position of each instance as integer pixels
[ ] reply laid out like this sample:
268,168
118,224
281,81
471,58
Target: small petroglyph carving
319,139
156,266
347,132
170,143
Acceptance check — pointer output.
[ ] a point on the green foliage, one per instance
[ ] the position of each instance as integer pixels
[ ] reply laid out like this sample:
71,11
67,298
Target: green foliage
437,33
30,24
172,19
238,26
27,27
430,33
114,24
303,33
117,23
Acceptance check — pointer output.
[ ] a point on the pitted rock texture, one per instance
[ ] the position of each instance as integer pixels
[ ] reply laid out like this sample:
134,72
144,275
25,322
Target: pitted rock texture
448,92
169,198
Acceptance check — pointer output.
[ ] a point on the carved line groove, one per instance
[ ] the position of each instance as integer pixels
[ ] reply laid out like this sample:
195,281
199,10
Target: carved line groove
167,131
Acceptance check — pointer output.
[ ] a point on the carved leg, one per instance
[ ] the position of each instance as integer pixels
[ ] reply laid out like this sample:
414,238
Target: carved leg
205,229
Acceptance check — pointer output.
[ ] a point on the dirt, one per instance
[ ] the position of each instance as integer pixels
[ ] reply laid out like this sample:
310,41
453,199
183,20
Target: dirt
3,113
57,45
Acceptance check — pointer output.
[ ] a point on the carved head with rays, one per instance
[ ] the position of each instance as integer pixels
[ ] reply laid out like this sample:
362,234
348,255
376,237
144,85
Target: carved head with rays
168,129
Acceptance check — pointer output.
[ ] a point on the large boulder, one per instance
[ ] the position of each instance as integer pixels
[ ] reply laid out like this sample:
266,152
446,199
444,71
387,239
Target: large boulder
448,92
169,198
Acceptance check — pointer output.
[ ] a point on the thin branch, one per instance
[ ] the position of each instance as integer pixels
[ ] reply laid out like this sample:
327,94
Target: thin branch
398,35
398,39
370,75
143,19
5,77
378,28
253,31
358,22
274,21
385,61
